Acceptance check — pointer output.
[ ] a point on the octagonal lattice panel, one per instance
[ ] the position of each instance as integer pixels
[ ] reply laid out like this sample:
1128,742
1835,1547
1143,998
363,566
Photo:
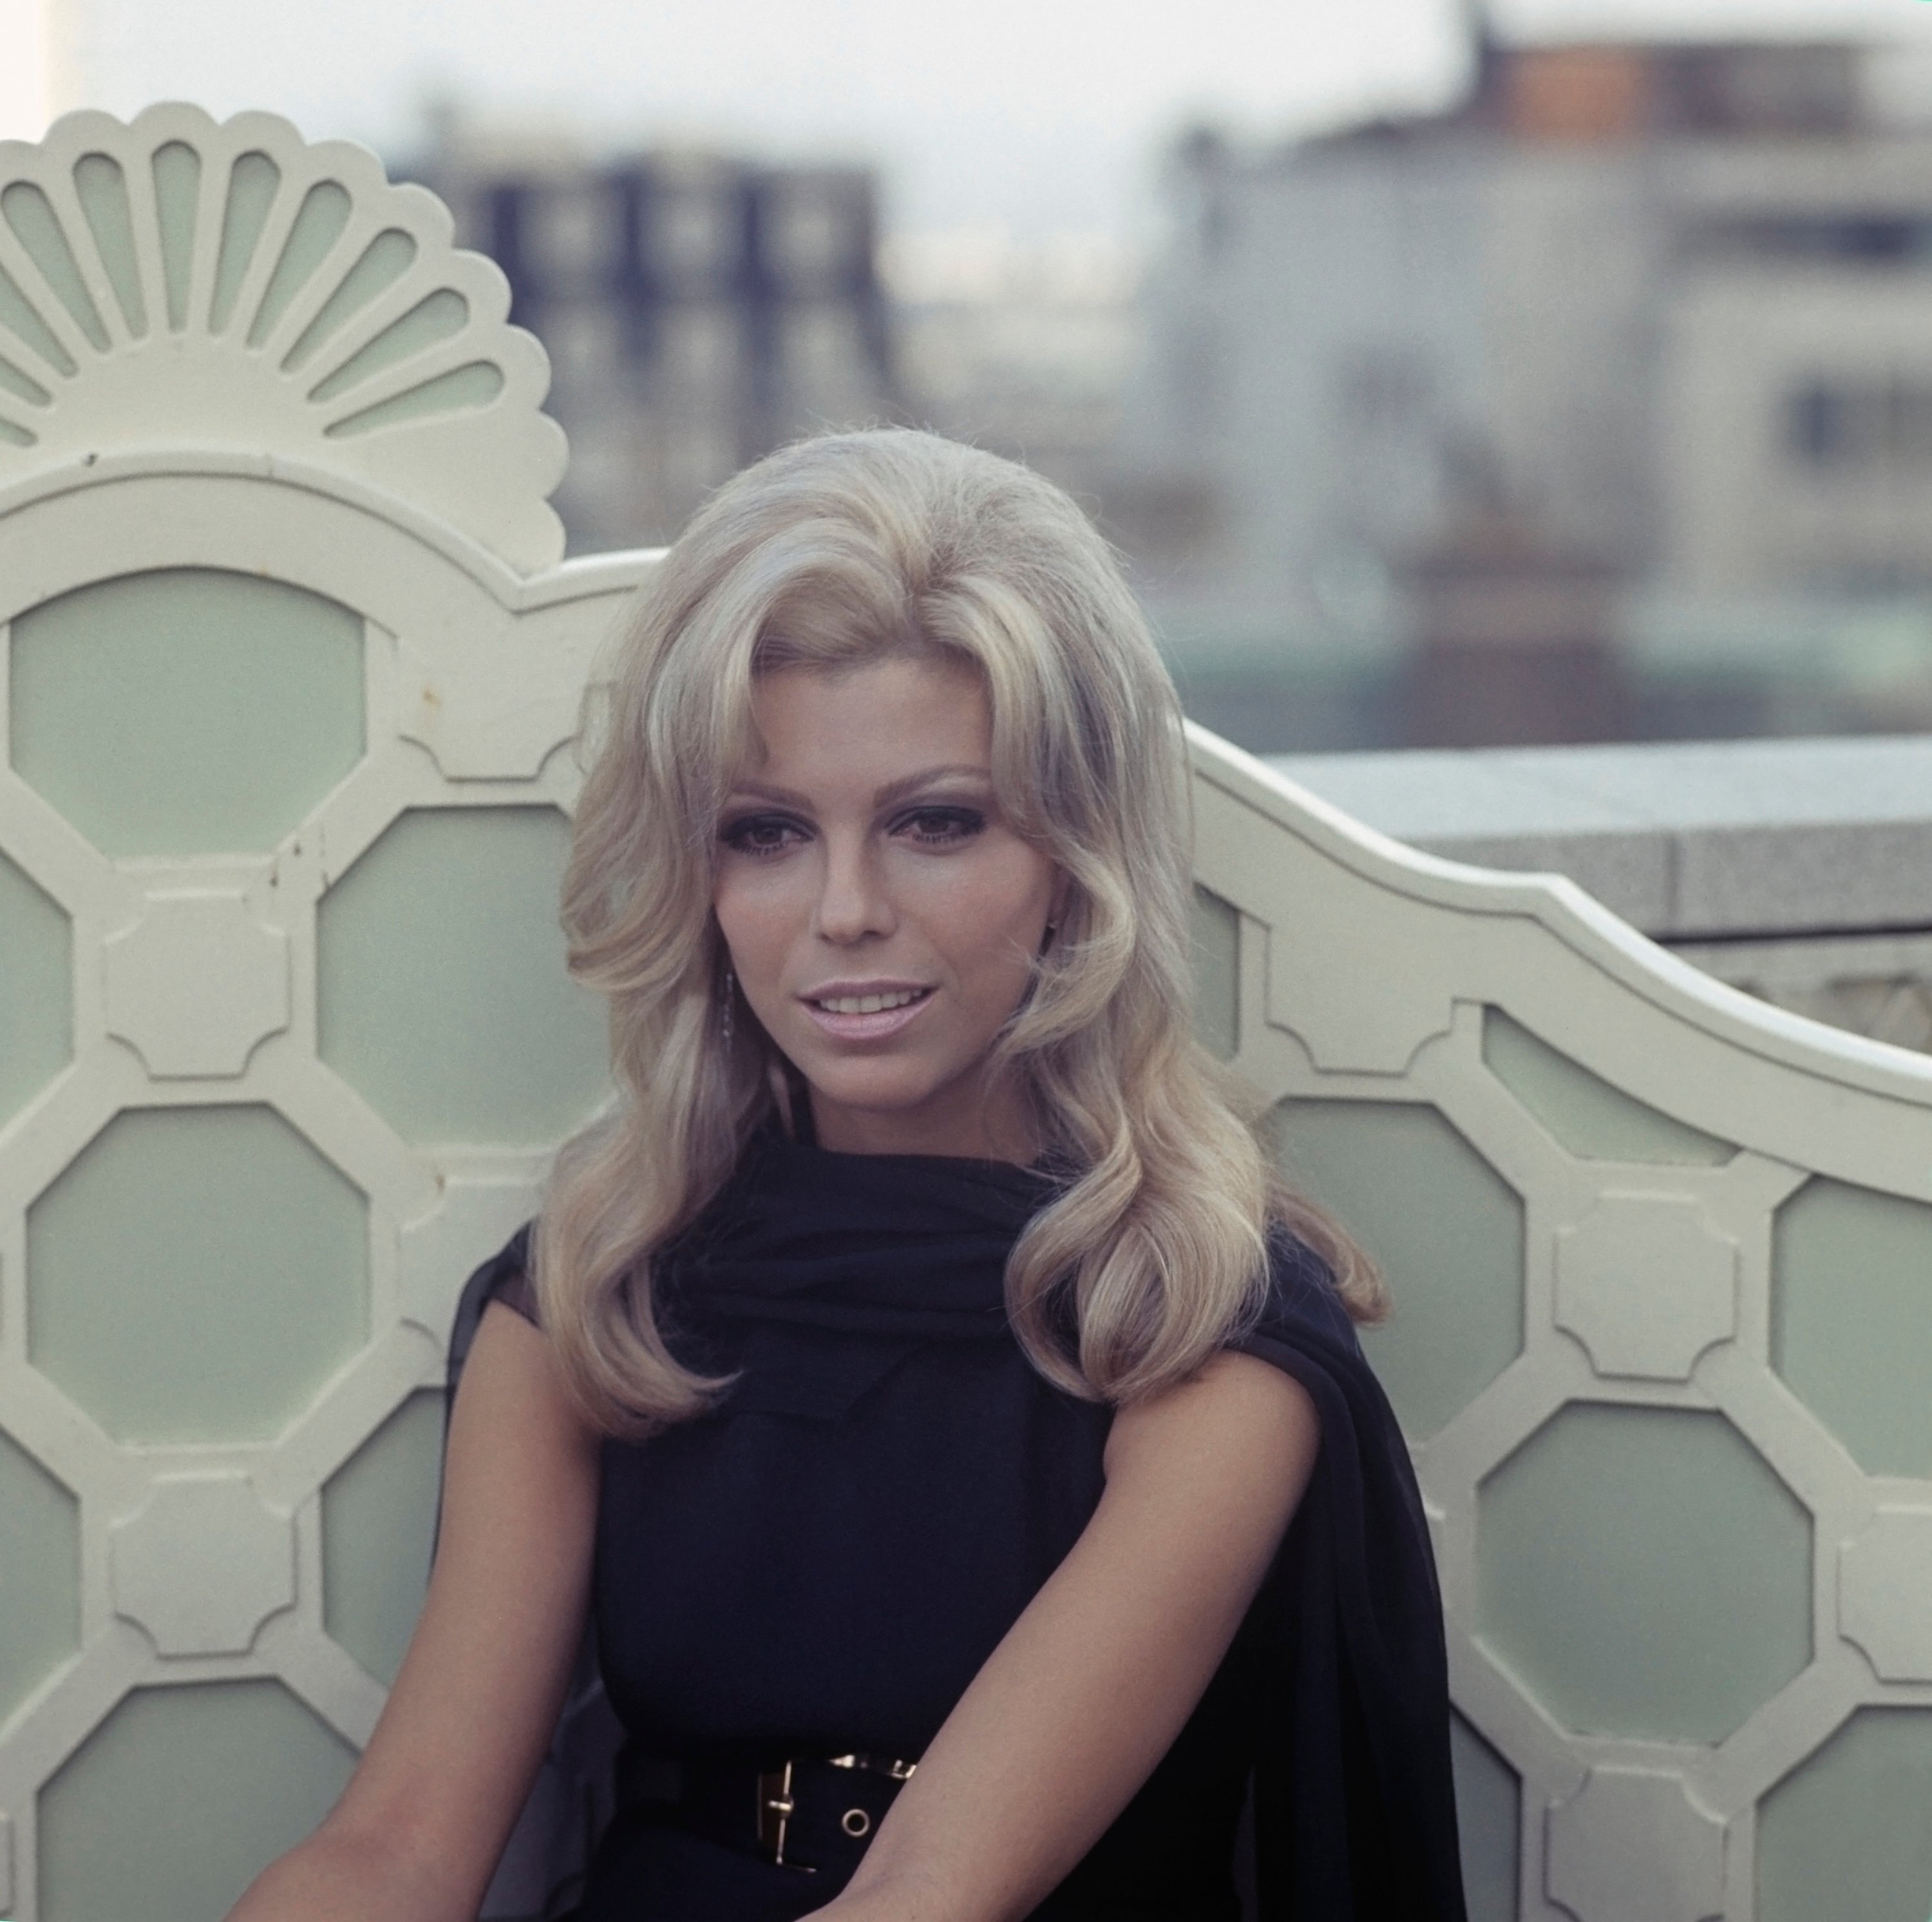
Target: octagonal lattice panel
1643,1573
187,711
195,1275
1445,1229
446,931
240,1770
272,481
36,1001
1584,1112
203,1564
1848,1834
40,1575
1648,1285
1852,1319
378,1516
1217,973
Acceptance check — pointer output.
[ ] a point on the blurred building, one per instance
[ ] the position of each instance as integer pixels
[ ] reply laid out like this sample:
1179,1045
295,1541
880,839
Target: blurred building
1024,347
1633,325
698,310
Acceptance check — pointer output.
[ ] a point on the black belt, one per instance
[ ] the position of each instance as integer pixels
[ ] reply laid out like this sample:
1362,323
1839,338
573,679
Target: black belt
809,1813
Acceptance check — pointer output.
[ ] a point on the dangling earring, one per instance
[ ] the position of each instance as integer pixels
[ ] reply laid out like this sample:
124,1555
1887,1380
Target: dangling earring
730,993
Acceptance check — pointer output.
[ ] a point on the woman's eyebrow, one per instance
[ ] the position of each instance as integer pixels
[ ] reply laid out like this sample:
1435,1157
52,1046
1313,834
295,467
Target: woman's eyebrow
881,797
910,783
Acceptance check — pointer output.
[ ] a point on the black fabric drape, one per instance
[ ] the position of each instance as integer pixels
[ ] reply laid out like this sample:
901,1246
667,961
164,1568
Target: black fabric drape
1354,1804
861,1298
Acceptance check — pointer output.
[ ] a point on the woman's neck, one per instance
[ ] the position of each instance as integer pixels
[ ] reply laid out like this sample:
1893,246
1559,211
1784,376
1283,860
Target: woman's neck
976,1126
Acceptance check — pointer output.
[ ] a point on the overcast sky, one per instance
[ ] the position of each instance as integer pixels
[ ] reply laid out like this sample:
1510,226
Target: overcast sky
1042,114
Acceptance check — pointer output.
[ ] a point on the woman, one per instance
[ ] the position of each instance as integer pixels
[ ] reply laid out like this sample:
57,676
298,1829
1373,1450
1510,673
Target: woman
962,1432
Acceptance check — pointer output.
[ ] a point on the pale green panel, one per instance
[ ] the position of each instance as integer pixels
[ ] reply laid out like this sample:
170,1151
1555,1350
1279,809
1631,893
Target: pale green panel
1443,1226
187,711
383,262
319,224
23,386
1643,1572
40,1575
102,190
175,1804
437,317
16,437
475,384
1587,1115
1217,973
27,211
443,997
253,183
1851,1319
378,1520
36,990
1488,1815
196,1274
23,320
1847,1836
177,171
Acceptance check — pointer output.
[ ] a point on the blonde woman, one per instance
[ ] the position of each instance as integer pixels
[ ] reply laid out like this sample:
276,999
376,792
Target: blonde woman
956,1432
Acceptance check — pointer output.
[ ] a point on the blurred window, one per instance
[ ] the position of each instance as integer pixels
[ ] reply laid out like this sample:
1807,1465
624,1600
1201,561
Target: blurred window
1861,424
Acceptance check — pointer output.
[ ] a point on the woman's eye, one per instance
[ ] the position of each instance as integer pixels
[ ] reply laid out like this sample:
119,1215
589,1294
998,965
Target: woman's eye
759,834
936,826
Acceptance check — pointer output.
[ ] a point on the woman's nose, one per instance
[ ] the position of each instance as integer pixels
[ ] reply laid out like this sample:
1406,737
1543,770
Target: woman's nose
853,899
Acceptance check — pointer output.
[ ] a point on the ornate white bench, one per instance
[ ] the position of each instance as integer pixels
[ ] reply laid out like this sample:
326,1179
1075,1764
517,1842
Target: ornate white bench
291,665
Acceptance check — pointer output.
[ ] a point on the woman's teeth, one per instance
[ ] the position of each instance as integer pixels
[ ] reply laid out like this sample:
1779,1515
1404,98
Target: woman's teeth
869,1003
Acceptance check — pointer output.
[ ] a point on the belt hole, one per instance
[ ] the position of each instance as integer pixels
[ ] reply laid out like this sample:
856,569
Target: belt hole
856,1821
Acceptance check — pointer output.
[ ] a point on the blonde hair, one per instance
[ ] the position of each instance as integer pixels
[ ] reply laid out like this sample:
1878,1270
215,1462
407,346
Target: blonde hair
835,552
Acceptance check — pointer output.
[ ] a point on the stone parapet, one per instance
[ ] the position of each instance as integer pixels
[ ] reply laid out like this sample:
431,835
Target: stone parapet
1801,870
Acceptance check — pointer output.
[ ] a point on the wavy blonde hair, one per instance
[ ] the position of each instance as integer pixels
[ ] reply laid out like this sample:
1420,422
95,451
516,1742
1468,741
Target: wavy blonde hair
837,552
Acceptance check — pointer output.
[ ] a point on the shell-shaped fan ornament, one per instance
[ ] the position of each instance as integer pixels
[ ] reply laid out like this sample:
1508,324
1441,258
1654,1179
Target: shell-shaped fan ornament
177,284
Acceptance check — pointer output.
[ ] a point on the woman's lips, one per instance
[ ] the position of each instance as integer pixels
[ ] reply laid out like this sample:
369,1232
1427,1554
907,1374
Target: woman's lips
873,1027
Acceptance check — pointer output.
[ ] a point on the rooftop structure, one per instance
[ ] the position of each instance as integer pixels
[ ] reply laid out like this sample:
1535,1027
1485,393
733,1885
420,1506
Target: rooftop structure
1023,347
698,309
1633,330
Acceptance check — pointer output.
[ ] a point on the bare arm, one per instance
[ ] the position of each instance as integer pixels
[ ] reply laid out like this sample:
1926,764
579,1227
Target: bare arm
1089,1688
416,1835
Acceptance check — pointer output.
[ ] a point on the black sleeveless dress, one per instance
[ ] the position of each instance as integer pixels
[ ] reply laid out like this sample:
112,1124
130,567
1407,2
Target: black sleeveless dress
821,1565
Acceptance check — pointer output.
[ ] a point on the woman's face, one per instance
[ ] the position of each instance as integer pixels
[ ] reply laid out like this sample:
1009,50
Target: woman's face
879,913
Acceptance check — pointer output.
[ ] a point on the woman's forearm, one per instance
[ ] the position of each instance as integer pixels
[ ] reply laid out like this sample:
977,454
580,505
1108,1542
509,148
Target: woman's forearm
335,1874
906,1896
1076,1705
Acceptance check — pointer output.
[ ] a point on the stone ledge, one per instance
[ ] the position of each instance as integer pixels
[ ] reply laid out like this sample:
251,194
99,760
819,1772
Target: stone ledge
1708,838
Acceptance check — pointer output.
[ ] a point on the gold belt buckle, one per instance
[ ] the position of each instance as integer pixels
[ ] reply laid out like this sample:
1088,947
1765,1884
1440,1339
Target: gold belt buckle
899,1771
858,1822
776,1807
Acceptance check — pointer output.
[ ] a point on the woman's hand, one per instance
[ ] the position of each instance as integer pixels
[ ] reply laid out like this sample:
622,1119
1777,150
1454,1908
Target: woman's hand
1088,1688
416,1835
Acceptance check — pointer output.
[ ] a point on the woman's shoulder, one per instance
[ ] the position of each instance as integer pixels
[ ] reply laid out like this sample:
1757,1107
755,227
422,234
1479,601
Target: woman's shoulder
505,1277
1302,1327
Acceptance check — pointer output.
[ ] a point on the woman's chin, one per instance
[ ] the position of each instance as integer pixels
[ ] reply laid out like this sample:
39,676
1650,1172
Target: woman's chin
882,1115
